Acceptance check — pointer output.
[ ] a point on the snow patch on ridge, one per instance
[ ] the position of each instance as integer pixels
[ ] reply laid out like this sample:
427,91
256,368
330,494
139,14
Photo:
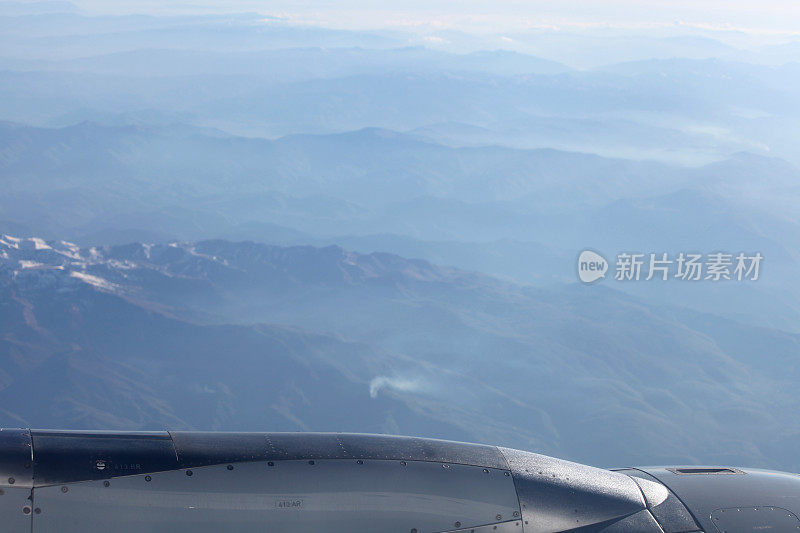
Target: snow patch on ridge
39,244
94,281
9,241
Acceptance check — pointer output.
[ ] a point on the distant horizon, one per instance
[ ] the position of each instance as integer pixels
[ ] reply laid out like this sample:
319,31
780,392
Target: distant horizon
766,18
733,19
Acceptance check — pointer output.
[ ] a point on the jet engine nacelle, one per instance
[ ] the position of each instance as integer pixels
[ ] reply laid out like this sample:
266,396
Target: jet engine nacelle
87,482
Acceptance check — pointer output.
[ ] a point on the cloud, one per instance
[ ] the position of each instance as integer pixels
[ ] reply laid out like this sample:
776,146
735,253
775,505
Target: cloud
398,384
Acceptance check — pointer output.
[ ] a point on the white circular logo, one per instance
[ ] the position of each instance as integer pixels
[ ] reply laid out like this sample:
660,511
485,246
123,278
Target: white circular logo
591,266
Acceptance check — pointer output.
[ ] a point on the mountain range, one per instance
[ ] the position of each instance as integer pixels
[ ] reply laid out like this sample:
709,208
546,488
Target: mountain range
231,335
240,222
530,211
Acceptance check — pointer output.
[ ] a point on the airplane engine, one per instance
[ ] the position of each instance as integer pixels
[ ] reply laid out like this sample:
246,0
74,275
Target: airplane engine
87,482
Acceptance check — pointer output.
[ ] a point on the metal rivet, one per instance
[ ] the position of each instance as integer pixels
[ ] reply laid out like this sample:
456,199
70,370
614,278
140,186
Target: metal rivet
403,463
311,462
270,463
445,466
516,513
458,524
359,462
147,478
26,510
499,517
507,473
106,484
37,511
485,470
189,472
11,481
100,464
230,467
64,489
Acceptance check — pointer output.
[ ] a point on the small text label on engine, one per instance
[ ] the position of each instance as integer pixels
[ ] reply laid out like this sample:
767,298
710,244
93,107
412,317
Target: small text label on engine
289,503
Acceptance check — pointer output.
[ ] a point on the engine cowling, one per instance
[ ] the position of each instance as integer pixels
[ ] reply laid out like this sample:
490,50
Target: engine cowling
66,481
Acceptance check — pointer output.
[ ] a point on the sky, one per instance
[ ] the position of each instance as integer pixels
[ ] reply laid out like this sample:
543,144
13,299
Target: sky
764,16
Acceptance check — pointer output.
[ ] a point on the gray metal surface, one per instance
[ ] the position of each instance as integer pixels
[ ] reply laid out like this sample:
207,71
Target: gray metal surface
655,494
671,514
704,493
197,448
16,456
61,456
641,522
73,481
66,456
558,495
16,480
16,510
755,520
514,526
290,496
